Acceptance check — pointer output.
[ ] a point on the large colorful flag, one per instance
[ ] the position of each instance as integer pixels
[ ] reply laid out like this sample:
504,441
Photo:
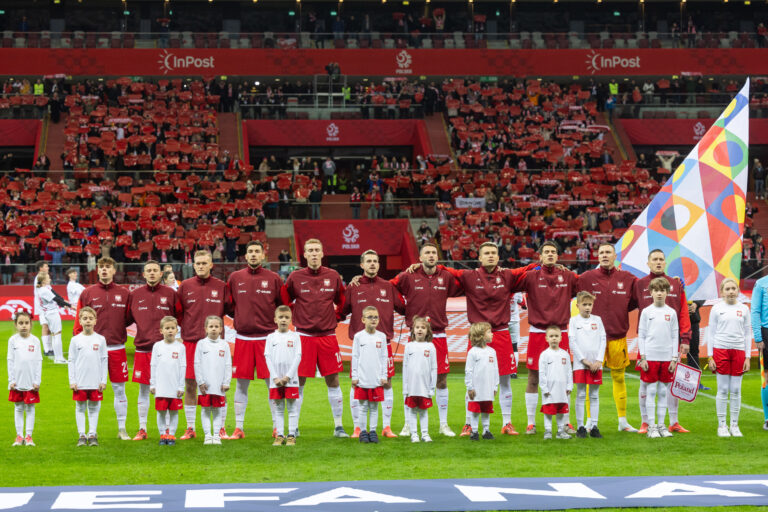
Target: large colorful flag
697,218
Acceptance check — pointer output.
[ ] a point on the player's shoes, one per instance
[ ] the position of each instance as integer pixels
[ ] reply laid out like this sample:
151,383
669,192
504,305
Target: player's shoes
530,430
170,440
569,429
509,429
474,436
141,435
626,427
581,433
446,430
643,428
163,440
407,430
237,434
188,434
563,434
340,432
363,437
735,431
223,433
547,434
279,440
60,361
123,435
425,438
387,432
355,433
723,431
19,441
595,432
208,439
465,430
678,428
290,441
415,438
93,440
373,437
29,442
274,433
664,431
513,376
487,435
765,425
216,439
652,432
82,441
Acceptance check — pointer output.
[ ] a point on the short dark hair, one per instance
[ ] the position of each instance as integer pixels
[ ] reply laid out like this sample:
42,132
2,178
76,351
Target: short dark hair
657,250
370,252
427,244
549,243
40,264
659,283
254,242
606,244
151,262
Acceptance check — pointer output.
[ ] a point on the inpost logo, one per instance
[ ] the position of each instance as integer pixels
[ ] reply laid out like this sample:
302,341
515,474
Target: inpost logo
598,62
169,62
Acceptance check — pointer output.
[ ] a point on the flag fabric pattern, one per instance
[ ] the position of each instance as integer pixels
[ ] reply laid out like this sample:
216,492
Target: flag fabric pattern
697,218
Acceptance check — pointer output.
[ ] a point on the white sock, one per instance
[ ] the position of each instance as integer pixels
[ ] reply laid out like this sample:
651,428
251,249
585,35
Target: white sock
650,403
424,421
223,416
721,399
581,403
241,401
93,417
80,417
336,399
662,402
442,405
161,422
58,349
143,403
271,406
293,416
373,415
594,404
278,406
531,403
672,405
18,418
218,420
474,418
30,419
735,400
190,413
547,423
466,409
386,408
561,421
205,419
411,418
642,398
120,403
353,406
486,420
505,399
362,415
47,344
173,422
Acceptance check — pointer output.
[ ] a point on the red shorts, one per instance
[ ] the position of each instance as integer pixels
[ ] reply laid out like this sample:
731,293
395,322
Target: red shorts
117,364
551,409
319,352
191,346
390,360
587,377
440,341
142,363
283,392
168,404
211,401
28,397
249,356
658,371
485,406
418,402
537,343
729,361
90,395
370,394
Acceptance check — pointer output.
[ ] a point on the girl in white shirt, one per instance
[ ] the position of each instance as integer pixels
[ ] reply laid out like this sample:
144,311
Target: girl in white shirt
213,371
25,367
481,377
167,369
729,340
50,301
419,378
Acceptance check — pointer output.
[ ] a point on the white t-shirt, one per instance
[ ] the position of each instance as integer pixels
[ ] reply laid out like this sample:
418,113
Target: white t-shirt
481,373
213,365
25,362
419,369
555,376
657,333
167,370
74,289
515,306
282,351
729,327
47,299
369,359
88,361
38,307
586,338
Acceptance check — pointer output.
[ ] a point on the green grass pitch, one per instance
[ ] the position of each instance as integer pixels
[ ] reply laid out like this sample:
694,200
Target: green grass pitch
318,456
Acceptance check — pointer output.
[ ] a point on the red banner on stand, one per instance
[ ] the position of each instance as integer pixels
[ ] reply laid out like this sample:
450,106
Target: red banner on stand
19,132
682,132
353,237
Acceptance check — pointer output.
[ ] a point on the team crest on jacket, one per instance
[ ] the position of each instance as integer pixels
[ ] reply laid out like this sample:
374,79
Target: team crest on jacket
175,355
738,313
214,293
118,297
426,353
163,300
31,348
383,293
563,360
290,343
221,353
440,281
264,284
490,359
594,327
326,282
667,318
559,279
378,344
620,286
498,280
95,346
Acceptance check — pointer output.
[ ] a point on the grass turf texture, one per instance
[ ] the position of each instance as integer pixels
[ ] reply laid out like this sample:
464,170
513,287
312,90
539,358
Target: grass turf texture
318,456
